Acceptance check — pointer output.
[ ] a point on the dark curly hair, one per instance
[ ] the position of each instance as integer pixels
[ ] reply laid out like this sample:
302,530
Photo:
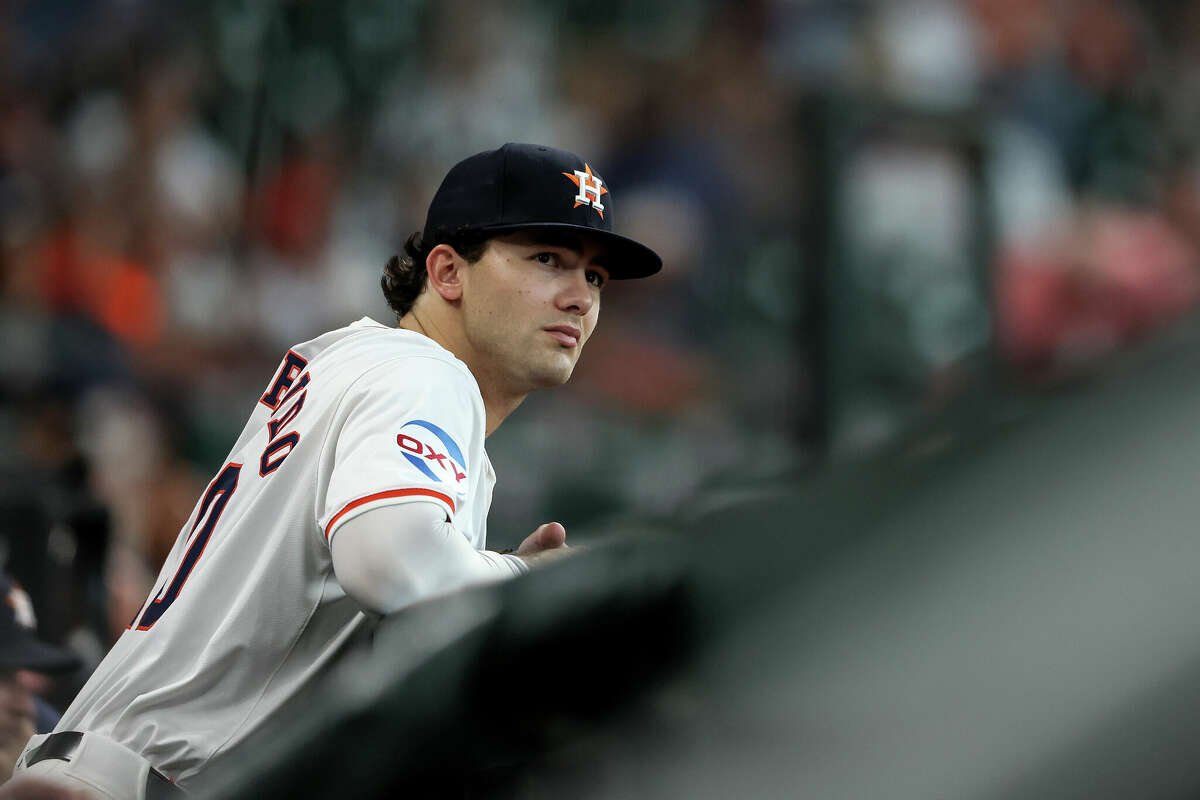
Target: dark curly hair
404,274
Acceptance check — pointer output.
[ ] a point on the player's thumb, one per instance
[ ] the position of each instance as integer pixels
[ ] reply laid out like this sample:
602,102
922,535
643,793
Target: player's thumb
552,535
546,537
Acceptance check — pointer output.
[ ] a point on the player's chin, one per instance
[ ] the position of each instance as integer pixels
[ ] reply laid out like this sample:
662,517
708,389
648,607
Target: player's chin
554,373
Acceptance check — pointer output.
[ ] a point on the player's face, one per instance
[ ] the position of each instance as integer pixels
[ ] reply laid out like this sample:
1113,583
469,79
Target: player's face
529,306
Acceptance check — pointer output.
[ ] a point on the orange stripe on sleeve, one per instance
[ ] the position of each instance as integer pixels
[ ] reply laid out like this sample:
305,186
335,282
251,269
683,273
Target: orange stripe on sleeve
383,496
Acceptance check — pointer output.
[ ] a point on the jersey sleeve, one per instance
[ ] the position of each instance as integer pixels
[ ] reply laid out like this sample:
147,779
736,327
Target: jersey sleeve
403,433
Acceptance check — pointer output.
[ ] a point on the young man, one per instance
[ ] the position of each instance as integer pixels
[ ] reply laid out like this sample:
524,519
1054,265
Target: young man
360,484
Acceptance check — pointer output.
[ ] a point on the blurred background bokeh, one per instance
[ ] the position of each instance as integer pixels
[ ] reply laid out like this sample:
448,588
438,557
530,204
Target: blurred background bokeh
870,213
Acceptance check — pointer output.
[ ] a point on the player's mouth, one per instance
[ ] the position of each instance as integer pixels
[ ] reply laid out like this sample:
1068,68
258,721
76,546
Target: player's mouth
566,335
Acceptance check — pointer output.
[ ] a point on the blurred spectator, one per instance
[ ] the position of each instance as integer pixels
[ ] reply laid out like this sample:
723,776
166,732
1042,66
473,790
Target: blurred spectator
25,660
1112,277
54,529
82,270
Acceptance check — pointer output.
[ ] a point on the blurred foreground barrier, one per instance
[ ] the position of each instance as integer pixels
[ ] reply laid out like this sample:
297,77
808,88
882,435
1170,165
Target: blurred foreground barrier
455,694
1005,606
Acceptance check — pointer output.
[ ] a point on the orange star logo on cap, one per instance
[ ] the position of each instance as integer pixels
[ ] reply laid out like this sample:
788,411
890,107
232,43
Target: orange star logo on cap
591,188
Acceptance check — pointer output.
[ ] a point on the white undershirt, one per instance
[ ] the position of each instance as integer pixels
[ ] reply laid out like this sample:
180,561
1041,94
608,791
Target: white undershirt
393,556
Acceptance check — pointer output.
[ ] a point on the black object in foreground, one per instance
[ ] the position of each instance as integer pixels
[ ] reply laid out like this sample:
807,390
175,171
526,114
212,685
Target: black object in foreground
994,611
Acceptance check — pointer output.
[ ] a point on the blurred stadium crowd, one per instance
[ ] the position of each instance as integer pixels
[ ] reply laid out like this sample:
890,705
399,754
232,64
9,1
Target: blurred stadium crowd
187,189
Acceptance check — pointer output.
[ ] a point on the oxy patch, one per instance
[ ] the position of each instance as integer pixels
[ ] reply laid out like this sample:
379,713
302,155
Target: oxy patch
433,452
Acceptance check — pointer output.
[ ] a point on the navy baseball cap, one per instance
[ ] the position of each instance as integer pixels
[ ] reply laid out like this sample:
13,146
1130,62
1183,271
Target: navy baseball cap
521,186
19,647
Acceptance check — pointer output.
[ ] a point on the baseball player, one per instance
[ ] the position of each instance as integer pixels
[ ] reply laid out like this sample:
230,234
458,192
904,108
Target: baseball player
360,483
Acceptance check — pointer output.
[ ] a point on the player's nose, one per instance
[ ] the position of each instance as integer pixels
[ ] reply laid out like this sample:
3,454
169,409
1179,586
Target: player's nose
576,294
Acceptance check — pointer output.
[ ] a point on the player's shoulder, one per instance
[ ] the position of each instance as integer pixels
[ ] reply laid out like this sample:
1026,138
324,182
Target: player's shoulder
366,351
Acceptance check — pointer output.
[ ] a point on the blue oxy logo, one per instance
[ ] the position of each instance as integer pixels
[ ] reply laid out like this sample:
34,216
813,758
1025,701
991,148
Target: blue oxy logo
431,450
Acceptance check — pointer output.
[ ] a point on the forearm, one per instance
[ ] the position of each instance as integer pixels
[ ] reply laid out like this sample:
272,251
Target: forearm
391,557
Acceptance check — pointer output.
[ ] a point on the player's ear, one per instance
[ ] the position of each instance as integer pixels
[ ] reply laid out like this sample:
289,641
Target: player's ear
444,266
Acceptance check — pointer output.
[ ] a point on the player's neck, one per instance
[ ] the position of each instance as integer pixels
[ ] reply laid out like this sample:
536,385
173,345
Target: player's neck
498,409
429,328
497,402
500,398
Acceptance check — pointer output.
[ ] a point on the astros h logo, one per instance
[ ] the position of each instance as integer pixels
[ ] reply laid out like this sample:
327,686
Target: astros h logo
591,188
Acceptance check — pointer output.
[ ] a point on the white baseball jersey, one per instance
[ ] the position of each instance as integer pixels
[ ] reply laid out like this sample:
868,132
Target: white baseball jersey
247,609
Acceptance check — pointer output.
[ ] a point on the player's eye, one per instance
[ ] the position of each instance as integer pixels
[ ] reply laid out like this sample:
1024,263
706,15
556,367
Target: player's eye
596,277
548,258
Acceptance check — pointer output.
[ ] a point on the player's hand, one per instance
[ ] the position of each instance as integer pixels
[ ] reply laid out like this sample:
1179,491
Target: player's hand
547,542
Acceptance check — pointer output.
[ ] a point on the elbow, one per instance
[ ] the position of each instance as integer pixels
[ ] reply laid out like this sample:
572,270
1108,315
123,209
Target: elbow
377,581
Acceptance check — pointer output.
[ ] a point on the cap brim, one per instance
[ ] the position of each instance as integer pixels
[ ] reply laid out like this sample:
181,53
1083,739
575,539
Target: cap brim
22,650
627,258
